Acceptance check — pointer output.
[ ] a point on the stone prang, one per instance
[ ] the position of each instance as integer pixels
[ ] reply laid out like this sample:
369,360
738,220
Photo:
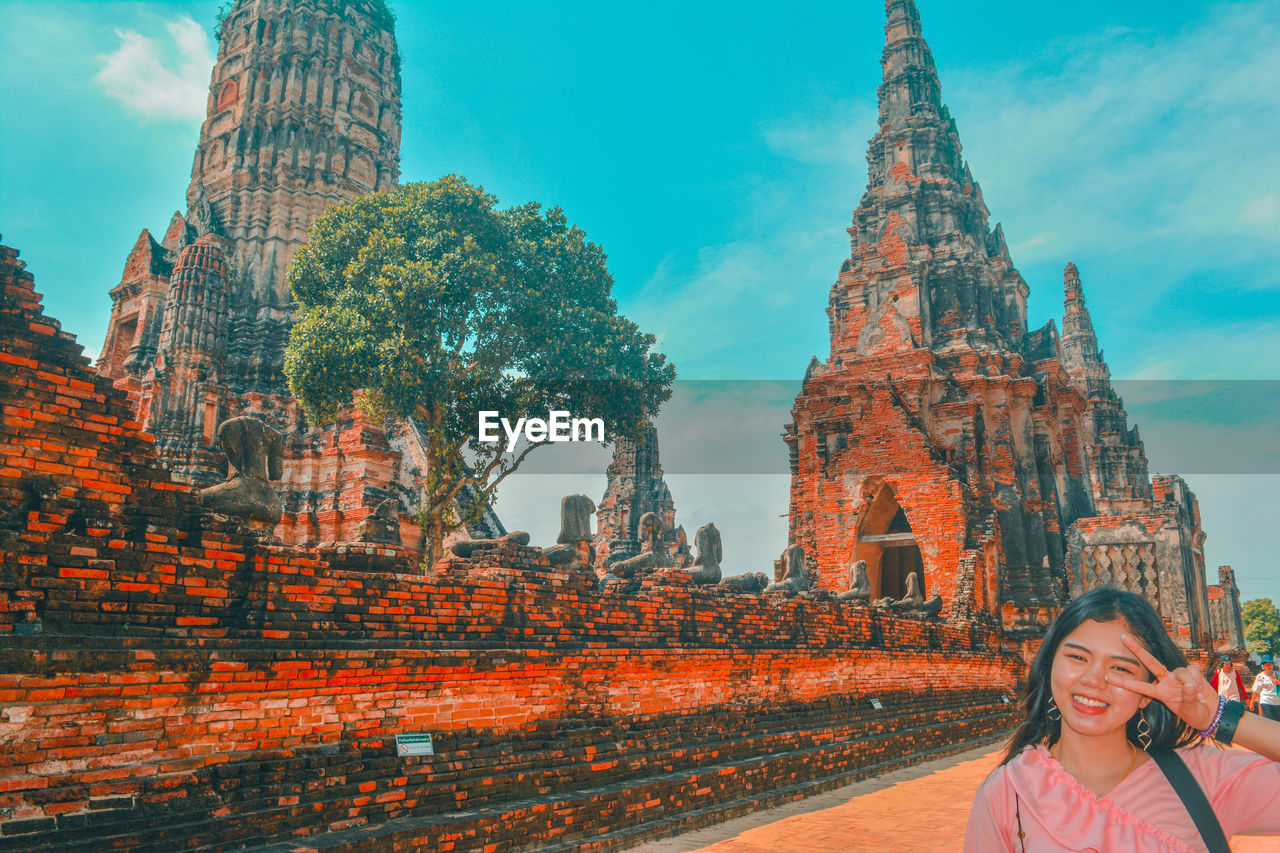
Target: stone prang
634,488
992,459
303,112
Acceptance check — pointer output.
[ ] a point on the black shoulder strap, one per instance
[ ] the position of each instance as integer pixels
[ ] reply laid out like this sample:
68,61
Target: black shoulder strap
1193,799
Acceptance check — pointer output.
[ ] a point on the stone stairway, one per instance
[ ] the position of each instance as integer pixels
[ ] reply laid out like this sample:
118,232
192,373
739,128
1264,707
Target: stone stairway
580,785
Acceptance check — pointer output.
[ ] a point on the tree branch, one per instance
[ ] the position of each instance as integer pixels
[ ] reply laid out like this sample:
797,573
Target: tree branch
488,490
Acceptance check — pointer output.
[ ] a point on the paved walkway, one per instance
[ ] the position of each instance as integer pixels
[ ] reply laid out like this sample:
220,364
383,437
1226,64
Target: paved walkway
920,809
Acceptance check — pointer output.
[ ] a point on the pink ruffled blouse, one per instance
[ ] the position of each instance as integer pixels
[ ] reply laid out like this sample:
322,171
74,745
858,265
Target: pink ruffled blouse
1141,815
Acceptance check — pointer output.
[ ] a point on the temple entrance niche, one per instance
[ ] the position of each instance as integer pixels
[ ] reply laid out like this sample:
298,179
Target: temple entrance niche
888,545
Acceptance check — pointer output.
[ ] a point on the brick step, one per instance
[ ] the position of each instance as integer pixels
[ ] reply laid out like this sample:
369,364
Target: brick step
562,753
504,775
671,751
681,823
663,804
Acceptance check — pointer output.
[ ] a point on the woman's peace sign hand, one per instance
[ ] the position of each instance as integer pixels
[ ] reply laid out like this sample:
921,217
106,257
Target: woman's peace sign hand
1183,691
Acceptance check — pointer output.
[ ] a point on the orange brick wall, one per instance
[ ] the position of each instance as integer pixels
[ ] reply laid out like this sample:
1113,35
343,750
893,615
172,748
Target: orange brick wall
170,680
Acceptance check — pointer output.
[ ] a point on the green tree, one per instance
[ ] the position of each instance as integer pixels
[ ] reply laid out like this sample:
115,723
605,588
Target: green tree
434,305
1261,626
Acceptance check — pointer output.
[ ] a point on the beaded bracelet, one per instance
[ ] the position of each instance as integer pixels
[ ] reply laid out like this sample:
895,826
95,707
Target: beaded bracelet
1209,730
1227,725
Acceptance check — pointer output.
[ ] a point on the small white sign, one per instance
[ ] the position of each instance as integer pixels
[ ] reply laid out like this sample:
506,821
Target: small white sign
414,745
875,703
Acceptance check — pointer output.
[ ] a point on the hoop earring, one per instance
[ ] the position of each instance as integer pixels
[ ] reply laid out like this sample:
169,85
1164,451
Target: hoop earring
1053,713
1144,730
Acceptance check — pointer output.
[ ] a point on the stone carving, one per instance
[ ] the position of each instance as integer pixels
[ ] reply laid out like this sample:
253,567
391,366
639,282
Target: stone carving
651,556
468,547
859,585
913,603
795,575
200,215
573,548
254,457
382,526
575,519
749,582
706,568
272,156
634,488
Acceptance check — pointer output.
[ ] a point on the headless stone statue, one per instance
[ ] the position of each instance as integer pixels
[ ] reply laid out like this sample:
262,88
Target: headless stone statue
913,603
382,526
254,457
467,547
651,555
750,582
795,575
573,547
859,586
706,568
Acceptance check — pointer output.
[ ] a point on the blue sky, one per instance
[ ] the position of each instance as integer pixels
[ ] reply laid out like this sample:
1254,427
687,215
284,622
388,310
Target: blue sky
716,151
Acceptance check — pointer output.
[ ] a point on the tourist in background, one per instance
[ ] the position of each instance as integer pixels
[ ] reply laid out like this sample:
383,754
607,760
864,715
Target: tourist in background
1112,706
1265,700
1227,681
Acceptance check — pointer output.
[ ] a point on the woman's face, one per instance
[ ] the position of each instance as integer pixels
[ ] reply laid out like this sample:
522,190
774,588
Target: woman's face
1089,705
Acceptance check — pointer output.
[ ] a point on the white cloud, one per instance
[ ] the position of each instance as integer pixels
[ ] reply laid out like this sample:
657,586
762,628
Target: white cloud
1262,212
160,79
1136,141
1244,350
770,292
1120,140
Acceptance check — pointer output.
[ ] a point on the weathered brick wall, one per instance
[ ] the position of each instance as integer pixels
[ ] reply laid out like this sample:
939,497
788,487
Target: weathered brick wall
853,441
169,681
1224,613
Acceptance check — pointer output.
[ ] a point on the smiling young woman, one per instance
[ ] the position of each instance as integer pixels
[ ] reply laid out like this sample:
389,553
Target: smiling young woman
1113,711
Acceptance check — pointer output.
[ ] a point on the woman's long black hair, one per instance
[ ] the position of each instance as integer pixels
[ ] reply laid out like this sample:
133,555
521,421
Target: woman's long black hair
1103,604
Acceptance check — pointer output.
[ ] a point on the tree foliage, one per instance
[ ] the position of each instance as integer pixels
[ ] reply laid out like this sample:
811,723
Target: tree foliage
1261,626
435,305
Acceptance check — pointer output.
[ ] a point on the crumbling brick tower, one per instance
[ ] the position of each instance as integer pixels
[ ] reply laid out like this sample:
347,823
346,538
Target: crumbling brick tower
303,112
1116,458
1224,613
941,436
635,486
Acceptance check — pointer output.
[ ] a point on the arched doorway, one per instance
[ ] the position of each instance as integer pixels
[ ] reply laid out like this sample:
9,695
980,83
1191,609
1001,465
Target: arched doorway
888,545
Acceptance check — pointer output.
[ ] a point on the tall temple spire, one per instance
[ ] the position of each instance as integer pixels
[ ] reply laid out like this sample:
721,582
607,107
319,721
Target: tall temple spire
925,270
303,112
1079,341
1117,460
910,77
989,454
183,388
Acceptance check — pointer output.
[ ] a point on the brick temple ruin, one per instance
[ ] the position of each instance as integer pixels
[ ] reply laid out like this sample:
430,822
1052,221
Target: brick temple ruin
178,678
943,437
303,112
172,679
